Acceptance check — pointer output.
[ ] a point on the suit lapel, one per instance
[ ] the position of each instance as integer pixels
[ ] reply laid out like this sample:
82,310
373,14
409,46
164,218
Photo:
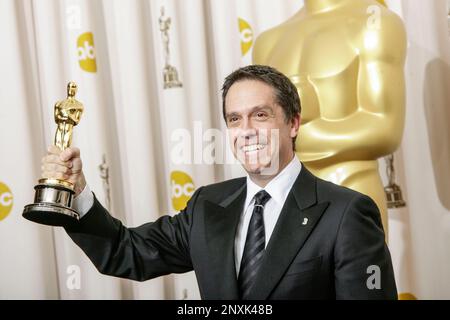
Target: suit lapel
221,221
297,219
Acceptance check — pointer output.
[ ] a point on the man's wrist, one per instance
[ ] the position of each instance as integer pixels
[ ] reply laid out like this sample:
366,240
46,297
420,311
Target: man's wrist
84,201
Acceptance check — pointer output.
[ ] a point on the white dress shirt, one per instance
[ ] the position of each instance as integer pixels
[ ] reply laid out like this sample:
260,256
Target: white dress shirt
278,188
84,201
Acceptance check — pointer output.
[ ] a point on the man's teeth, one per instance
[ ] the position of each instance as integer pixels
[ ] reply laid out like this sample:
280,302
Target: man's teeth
252,147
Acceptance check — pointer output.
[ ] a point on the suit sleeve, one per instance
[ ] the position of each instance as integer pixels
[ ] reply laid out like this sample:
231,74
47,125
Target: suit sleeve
363,266
148,251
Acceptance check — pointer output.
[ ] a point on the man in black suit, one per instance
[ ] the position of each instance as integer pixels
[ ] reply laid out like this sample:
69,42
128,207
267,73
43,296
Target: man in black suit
279,233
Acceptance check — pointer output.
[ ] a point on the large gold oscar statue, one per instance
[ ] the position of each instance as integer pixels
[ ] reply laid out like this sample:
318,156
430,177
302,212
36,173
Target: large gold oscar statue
346,58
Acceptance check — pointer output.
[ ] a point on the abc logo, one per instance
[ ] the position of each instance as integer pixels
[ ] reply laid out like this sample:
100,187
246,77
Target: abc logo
6,201
182,188
86,52
246,36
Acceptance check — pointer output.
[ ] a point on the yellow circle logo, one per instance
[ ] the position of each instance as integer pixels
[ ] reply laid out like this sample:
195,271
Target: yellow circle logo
182,188
246,32
86,52
6,201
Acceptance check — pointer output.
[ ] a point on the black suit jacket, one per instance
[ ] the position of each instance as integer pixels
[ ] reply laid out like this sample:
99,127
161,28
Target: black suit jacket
326,256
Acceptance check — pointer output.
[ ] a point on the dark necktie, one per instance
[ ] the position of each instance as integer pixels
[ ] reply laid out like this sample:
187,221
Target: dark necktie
254,245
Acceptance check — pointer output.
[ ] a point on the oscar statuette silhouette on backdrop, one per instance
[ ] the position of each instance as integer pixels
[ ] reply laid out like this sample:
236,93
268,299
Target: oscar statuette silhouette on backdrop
346,58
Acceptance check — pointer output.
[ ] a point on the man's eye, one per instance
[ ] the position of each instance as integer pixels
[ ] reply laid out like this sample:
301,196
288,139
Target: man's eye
261,115
233,119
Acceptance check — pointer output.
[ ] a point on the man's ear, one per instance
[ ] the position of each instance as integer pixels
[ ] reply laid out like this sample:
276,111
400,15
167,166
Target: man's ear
295,124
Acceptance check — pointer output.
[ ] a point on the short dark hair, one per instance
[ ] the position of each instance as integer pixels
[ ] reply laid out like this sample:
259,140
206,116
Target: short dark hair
286,94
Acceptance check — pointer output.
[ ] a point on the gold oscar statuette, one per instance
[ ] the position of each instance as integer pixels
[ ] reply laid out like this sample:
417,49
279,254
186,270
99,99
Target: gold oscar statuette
53,197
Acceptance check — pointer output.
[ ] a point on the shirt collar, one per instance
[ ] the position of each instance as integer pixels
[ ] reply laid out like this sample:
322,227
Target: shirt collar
279,187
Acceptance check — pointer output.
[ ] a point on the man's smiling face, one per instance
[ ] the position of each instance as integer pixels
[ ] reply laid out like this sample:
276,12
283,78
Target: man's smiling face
260,136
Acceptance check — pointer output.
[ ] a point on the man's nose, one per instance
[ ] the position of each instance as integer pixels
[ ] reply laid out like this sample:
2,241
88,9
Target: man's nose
247,130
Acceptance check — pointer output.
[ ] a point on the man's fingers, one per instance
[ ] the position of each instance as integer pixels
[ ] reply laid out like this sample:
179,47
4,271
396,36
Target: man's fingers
51,158
52,167
55,175
77,165
65,155
70,153
54,150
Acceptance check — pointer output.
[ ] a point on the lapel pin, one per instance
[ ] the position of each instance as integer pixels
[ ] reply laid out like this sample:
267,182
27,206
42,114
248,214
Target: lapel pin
305,221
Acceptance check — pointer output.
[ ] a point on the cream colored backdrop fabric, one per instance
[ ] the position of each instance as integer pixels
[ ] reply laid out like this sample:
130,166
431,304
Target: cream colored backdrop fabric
420,233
